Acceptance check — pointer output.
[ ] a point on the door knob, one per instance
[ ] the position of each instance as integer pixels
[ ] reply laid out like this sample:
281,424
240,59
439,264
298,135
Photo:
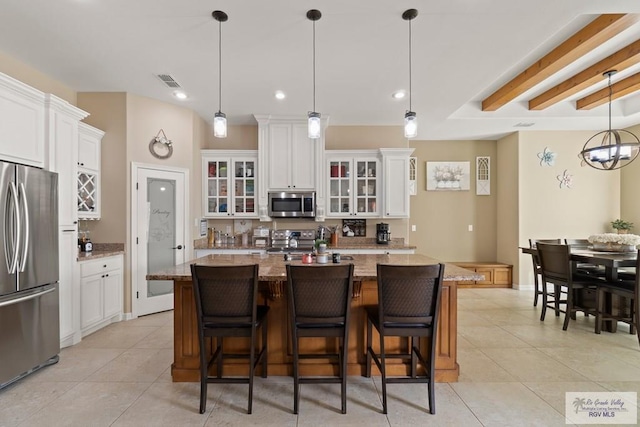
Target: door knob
178,247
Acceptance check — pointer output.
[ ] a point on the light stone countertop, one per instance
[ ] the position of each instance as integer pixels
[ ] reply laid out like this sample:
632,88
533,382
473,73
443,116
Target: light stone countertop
272,267
101,250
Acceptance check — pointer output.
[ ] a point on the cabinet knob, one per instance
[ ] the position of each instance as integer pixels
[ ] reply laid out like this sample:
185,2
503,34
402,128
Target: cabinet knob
104,266
178,247
106,275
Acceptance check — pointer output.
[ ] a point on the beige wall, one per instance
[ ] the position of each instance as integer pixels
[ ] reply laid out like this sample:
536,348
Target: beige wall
629,200
548,211
29,75
109,114
442,218
507,212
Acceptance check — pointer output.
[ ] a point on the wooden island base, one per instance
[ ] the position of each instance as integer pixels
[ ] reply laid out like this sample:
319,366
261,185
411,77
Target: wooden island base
186,352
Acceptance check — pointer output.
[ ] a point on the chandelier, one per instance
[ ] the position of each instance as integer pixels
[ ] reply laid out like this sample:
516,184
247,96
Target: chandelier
606,150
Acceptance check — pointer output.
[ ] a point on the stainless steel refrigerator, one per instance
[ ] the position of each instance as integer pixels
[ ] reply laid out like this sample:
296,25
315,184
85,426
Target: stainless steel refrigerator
29,305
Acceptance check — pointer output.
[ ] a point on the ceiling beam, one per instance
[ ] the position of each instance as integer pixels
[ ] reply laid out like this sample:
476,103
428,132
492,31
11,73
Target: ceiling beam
588,38
622,59
618,90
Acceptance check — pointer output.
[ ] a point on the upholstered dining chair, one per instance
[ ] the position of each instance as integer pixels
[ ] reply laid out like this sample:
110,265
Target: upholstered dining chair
319,306
408,306
539,286
628,290
227,306
555,264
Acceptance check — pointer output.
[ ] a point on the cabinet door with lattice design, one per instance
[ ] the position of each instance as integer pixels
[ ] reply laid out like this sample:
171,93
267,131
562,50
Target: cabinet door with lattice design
87,194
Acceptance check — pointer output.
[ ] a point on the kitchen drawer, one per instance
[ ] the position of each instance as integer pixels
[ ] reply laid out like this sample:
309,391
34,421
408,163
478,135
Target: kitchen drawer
100,265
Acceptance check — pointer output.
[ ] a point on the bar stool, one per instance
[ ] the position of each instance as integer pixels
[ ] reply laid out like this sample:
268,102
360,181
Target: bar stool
408,306
319,306
227,306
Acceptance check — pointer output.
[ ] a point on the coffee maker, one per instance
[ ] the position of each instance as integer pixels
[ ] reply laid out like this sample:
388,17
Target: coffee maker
383,236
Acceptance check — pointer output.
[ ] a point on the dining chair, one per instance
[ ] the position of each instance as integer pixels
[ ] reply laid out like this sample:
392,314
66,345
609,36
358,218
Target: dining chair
320,306
227,306
556,267
539,286
628,290
408,306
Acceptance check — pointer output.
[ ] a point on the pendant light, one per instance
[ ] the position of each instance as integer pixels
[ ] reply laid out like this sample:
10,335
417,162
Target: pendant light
220,119
410,119
314,117
605,150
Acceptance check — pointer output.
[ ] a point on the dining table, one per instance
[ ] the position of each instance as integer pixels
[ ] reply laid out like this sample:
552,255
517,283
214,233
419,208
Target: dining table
612,262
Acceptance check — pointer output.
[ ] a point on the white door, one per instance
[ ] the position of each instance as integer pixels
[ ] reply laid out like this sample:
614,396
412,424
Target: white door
159,235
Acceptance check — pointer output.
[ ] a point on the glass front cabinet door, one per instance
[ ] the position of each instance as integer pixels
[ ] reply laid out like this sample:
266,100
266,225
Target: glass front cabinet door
229,183
353,186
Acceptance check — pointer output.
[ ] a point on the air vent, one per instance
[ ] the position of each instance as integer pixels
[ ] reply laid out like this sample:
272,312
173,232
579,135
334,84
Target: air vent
169,80
523,125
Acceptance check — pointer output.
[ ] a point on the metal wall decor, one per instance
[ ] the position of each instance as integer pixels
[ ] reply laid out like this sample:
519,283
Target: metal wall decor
160,146
566,179
547,157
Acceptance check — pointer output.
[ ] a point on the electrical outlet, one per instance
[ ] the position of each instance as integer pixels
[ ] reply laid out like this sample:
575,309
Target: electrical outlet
470,227
413,227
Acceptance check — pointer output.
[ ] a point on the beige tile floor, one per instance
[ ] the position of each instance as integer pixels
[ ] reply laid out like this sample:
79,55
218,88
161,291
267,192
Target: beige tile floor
514,371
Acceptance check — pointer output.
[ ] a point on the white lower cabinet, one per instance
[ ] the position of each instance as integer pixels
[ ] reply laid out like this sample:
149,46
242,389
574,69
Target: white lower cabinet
101,284
68,286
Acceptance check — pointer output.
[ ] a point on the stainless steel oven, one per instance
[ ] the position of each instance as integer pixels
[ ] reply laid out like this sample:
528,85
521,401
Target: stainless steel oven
287,204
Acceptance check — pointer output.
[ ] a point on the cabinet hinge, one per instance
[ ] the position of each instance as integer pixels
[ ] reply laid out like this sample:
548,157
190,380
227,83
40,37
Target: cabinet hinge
137,295
136,240
136,185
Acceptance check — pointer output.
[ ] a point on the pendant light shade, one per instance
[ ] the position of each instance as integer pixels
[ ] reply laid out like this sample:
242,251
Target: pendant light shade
220,125
220,119
410,118
314,127
606,150
410,125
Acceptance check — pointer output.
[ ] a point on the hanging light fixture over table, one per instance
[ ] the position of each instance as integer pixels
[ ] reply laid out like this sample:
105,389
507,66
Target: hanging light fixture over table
410,119
314,117
220,119
606,150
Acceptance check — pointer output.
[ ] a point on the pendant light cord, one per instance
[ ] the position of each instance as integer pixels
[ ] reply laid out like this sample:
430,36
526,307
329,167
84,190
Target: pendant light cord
314,66
410,65
219,66
610,93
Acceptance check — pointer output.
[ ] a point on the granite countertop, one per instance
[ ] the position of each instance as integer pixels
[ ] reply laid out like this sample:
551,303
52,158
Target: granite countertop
272,267
101,250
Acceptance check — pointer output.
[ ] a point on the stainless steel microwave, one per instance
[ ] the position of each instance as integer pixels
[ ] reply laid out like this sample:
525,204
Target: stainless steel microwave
287,204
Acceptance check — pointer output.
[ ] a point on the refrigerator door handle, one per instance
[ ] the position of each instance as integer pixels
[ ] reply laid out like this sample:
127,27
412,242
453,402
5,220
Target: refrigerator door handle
12,229
25,240
27,297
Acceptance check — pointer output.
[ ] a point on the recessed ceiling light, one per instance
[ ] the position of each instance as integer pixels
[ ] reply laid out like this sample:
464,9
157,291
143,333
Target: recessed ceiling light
280,94
180,95
399,94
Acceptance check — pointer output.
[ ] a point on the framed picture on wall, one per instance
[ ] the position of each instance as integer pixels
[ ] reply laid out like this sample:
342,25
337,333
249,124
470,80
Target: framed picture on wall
448,176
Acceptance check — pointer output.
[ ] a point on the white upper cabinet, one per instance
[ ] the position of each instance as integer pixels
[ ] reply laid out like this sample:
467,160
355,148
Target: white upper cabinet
229,184
88,192
22,123
62,122
396,182
288,160
291,158
353,183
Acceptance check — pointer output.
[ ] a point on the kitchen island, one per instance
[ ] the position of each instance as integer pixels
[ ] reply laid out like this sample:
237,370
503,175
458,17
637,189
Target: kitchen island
272,276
